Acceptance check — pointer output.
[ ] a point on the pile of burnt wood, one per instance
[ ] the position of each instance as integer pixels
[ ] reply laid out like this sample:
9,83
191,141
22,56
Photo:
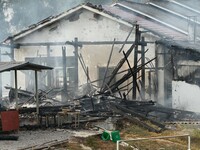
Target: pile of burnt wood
110,100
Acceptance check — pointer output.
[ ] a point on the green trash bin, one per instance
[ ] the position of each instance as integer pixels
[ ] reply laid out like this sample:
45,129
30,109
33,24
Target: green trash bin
115,136
105,136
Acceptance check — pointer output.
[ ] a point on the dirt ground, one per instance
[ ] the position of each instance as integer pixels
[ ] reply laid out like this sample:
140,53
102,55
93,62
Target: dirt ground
39,137
91,140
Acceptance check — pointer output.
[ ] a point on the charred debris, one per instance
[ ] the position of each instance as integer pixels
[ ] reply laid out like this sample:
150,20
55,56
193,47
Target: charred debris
89,104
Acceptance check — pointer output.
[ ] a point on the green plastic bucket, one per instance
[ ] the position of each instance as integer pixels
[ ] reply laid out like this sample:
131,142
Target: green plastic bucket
105,136
115,136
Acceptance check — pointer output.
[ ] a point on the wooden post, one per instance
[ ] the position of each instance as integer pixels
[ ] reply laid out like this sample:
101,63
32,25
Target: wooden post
0,79
156,75
143,69
149,77
88,75
16,91
137,39
36,96
108,63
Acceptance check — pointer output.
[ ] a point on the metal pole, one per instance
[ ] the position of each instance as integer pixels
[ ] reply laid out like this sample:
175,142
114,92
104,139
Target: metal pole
16,92
161,137
117,145
12,59
36,95
189,142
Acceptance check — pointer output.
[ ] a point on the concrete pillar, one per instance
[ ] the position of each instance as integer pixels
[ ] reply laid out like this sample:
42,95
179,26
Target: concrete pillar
49,77
160,74
76,61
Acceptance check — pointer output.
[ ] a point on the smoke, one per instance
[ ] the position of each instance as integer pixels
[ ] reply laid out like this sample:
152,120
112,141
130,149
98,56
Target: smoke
8,12
16,15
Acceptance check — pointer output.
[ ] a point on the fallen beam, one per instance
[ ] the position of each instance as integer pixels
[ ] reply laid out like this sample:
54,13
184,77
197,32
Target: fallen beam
8,137
138,115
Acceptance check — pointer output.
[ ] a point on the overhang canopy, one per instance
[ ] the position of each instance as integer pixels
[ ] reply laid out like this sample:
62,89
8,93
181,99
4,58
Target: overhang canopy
8,66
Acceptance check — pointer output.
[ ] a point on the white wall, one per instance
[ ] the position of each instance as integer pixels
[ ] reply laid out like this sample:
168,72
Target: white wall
185,96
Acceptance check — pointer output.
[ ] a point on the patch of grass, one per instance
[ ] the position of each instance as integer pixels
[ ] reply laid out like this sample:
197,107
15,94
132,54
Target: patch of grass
96,143
195,138
92,142
134,131
196,133
73,146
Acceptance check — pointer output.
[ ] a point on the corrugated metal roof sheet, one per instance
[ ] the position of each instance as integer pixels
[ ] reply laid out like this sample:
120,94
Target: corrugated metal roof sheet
158,14
147,24
177,8
8,66
193,5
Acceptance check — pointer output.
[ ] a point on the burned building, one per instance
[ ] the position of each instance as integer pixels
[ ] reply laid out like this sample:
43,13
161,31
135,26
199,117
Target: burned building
77,43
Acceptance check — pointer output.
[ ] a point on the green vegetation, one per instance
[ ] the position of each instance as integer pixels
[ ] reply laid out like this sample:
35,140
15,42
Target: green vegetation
130,131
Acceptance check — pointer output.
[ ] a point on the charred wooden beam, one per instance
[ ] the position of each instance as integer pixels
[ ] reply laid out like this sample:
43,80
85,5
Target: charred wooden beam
80,43
136,120
119,65
108,63
133,74
137,39
110,76
127,76
173,114
1,91
84,67
42,109
138,115
8,137
120,88
143,69
126,39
